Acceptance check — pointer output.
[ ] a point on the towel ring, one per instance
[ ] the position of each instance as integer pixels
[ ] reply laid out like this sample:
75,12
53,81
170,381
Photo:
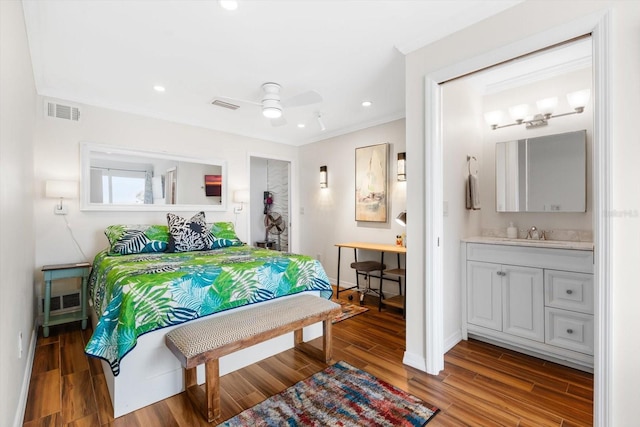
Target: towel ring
469,158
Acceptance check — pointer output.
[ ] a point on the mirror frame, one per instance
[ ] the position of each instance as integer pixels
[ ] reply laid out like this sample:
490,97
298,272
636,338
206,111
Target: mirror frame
86,148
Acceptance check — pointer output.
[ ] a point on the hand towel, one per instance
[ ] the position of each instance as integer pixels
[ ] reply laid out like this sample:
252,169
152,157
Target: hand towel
473,192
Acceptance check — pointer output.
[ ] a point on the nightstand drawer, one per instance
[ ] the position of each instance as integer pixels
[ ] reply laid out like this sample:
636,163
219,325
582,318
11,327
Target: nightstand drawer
570,330
569,290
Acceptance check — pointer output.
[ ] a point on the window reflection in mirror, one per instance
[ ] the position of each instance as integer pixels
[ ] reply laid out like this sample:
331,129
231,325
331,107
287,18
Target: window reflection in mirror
117,178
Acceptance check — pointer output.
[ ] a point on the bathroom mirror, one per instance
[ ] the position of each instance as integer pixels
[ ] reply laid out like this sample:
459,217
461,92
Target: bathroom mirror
543,174
121,179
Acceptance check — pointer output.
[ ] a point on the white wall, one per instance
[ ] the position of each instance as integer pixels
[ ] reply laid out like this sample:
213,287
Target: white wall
17,111
558,86
515,24
462,108
329,213
57,157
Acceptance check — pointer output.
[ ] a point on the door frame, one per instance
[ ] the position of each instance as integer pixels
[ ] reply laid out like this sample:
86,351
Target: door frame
294,239
599,25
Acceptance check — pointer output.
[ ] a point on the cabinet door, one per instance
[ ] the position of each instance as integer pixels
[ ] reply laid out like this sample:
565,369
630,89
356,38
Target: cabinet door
523,298
484,295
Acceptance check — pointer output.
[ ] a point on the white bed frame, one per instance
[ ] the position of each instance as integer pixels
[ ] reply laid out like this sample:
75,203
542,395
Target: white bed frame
150,372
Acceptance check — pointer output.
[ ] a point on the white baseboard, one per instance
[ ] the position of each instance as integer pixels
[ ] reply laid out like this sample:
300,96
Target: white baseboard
453,339
415,361
24,391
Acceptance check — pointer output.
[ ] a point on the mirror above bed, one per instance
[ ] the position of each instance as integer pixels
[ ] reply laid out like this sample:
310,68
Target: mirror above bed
116,178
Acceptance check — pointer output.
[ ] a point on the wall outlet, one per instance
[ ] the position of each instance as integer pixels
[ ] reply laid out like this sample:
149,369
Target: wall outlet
20,345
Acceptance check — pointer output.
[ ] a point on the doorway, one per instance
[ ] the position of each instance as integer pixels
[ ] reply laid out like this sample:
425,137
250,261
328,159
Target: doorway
270,205
434,284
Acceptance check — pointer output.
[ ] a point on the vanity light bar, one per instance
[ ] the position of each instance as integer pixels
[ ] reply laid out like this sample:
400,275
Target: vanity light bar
577,100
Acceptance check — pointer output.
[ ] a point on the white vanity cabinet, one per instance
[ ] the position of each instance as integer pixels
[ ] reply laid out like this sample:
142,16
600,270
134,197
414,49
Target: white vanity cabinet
538,300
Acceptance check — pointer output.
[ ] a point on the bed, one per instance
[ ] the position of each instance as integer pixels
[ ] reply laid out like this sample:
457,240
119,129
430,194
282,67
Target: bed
137,298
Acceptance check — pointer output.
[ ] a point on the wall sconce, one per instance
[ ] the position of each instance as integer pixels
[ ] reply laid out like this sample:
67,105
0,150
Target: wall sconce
323,177
577,100
402,218
61,189
402,175
242,197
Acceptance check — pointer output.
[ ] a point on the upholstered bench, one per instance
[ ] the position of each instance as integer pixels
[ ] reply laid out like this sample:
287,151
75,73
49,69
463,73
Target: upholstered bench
208,340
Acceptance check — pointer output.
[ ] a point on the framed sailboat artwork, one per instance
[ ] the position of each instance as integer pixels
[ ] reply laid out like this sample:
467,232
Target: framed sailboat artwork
371,183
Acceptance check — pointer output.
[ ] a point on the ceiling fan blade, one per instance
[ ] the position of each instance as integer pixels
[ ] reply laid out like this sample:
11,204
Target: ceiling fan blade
304,98
280,121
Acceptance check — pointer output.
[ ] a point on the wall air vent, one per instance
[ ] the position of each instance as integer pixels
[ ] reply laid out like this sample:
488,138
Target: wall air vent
61,111
223,104
65,302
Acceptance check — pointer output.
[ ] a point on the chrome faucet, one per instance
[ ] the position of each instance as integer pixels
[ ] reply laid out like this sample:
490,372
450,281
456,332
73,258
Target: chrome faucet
533,234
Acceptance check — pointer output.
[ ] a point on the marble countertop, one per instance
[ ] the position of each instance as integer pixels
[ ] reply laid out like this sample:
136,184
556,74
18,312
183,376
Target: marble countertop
556,244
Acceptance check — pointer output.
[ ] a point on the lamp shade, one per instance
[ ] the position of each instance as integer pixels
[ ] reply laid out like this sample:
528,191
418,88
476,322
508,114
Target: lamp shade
547,106
579,99
519,112
241,196
493,118
61,189
323,177
402,218
402,173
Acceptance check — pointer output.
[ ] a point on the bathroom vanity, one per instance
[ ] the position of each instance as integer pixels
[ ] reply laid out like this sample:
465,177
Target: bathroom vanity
536,297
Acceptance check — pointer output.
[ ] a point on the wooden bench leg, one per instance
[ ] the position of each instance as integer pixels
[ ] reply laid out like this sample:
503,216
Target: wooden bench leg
327,350
207,401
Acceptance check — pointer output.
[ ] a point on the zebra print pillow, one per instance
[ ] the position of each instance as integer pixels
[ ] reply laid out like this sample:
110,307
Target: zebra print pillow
188,235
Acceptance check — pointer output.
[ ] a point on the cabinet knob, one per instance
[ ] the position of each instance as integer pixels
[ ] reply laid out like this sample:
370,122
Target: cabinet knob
569,331
569,291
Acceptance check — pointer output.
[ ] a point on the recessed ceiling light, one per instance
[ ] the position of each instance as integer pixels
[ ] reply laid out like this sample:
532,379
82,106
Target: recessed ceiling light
300,125
366,103
158,88
228,4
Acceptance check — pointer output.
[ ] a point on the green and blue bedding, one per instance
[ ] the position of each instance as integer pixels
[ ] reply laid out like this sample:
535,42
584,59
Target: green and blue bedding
139,293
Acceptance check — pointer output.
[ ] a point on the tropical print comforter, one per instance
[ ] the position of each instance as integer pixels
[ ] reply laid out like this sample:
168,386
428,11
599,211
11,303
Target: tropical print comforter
140,293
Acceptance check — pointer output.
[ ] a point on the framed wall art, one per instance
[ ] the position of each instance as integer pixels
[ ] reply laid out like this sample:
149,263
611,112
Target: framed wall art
371,183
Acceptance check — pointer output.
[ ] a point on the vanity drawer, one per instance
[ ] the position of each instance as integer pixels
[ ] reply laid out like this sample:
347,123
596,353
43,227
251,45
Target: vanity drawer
568,290
570,330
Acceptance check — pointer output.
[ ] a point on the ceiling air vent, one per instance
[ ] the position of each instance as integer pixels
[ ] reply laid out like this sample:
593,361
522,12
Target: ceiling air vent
223,104
60,111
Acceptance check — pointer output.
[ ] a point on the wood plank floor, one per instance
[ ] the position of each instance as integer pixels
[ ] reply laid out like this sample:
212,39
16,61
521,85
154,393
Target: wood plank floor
482,385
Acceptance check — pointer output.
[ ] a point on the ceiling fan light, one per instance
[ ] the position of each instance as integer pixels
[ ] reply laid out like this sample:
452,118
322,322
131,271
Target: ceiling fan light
228,4
272,112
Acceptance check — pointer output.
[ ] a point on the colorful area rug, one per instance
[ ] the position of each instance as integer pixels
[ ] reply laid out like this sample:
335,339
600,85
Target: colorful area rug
341,395
349,310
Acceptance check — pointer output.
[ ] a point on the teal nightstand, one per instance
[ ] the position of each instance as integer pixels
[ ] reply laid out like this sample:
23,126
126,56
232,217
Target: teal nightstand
64,271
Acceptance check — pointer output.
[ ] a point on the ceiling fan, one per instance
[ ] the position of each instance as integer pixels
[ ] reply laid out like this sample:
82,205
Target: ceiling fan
271,103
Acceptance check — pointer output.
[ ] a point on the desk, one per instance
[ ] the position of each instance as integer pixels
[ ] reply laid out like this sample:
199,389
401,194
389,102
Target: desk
377,247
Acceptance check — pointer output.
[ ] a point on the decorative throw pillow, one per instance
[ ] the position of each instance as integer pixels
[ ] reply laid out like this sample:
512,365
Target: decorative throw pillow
225,231
136,239
188,235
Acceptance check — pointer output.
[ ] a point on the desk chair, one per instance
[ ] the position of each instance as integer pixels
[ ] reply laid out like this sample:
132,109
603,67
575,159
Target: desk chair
366,268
